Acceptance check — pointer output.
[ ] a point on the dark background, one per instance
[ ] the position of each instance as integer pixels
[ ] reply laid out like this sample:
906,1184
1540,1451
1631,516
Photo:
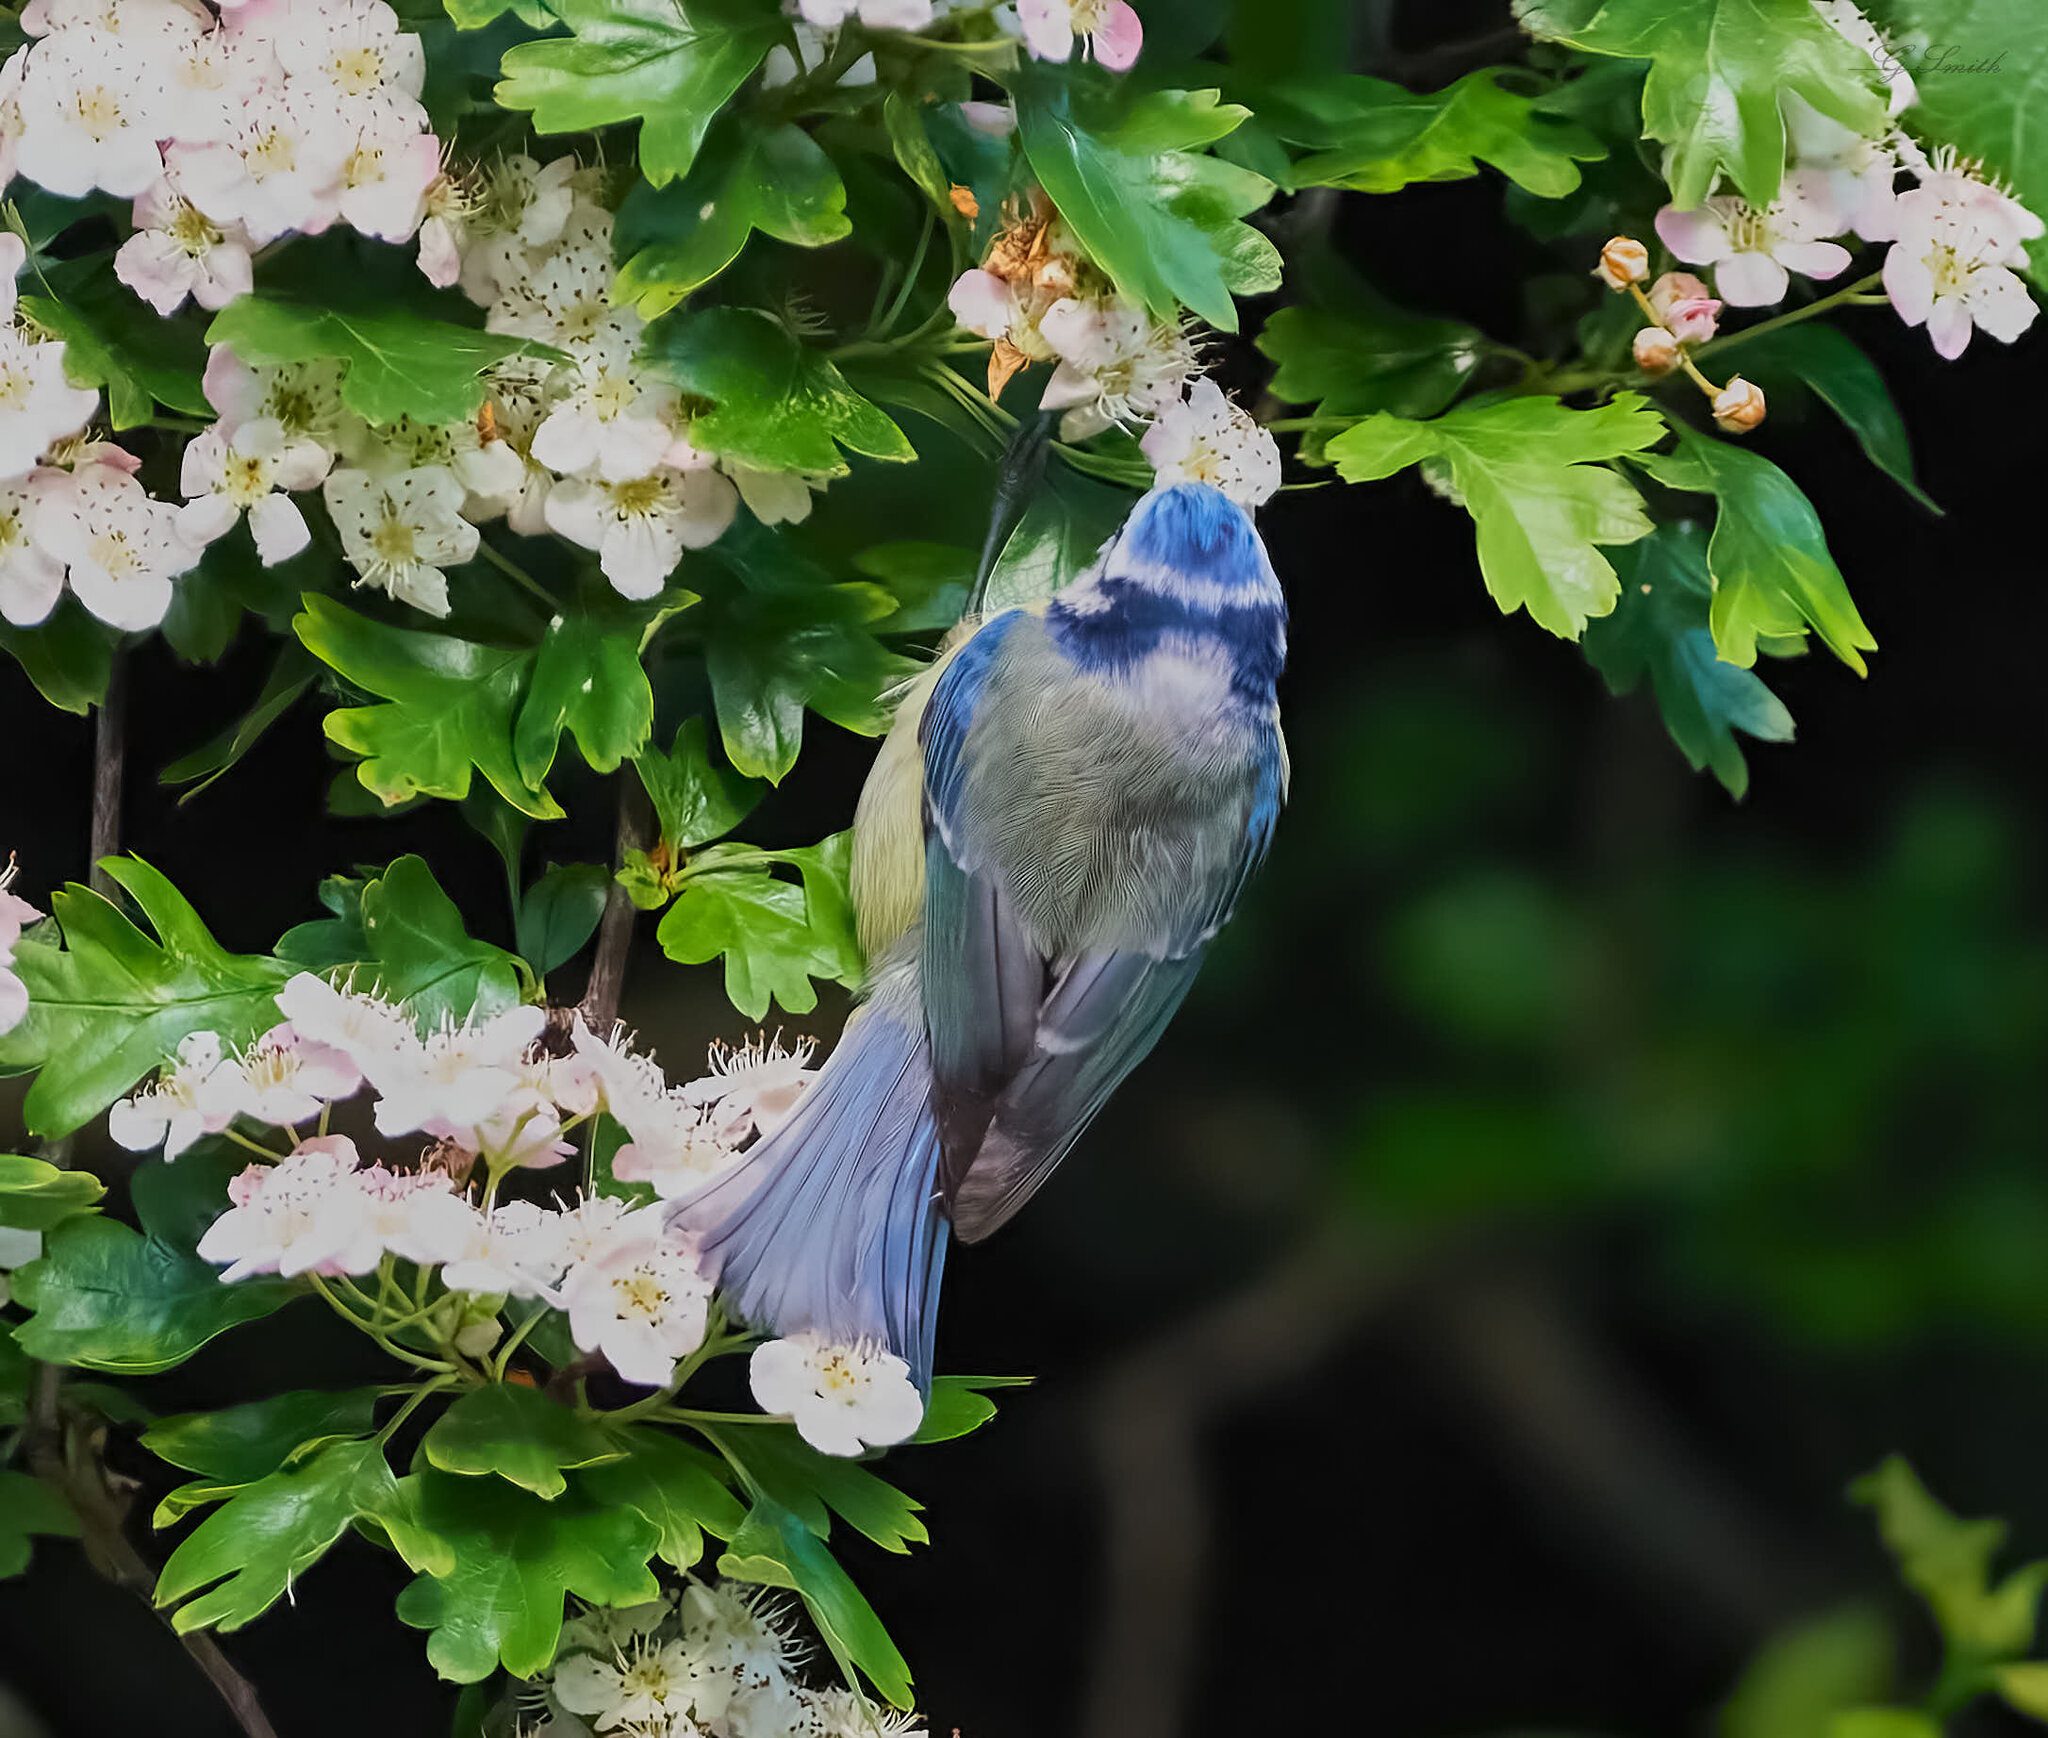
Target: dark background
1563,1181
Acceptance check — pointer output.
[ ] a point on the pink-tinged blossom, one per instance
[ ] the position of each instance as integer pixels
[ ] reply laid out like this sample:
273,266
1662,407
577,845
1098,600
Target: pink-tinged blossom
674,1143
279,170
284,1079
640,1302
1754,252
1209,439
1952,270
90,117
1110,30
178,253
191,1099
307,1214
303,398
754,1087
225,476
385,177
16,915
512,1251
842,1399
352,56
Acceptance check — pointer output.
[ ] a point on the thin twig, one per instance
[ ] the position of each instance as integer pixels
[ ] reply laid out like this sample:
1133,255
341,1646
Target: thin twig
615,931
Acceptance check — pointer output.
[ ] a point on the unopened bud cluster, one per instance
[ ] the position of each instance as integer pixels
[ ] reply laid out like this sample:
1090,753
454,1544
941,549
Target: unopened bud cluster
1682,313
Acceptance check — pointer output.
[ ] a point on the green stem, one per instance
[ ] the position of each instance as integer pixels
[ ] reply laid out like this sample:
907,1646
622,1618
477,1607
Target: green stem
513,1343
424,1392
909,285
436,1366
517,574
1845,296
256,1147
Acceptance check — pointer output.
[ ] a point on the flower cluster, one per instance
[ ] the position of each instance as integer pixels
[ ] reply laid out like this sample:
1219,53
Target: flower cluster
1036,299
714,1660
1107,31
228,128
71,510
480,1100
1954,239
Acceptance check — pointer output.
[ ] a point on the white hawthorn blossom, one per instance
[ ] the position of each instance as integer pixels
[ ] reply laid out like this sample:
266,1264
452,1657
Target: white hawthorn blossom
228,475
31,578
456,1077
640,1302
284,1079
1953,270
362,1028
644,1683
1117,365
122,548
753,1087
842,1399
189,1100
1209,439
90,116
401,533
639,528
38,404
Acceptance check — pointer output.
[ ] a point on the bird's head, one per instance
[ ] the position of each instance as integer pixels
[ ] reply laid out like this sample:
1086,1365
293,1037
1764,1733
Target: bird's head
1191,543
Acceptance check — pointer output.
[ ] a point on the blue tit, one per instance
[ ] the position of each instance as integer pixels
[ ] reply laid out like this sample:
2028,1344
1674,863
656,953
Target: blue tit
1063,816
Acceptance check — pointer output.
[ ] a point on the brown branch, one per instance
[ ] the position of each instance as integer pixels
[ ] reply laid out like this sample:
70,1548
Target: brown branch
607,984
109,759
78,1476
1148,1419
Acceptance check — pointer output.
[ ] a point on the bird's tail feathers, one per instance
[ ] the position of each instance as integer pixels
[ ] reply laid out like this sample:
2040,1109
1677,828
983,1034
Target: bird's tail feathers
832,1224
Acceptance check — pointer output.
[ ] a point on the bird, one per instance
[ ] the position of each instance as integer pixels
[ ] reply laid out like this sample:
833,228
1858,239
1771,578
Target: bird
1064,813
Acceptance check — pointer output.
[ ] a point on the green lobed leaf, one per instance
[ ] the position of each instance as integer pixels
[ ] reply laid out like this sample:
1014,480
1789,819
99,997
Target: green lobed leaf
676,239
667,65
560,912
1717,71
113,1004
775,403
249,1553
774,936
812,1487
783,638
450,708
518,1434
1529,472
496,1564
1768,557
588,680
1369,356
241,1444
695,801
36,1196
680,1489
1370,136
1947,1561
1980,68
112,341
775,1549
1659,630
29,1510
420,953
1161,222
1804,1677
1829,361
400,362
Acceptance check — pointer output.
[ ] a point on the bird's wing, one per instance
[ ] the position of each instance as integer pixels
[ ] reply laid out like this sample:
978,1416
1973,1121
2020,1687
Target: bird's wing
1034,1022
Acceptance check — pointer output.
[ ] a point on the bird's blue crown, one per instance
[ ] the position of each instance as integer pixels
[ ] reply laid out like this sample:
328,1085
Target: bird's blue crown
1187,571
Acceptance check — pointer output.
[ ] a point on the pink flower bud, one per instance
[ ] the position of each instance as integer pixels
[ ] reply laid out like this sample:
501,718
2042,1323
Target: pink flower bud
1673,287
1623,261
1694,320
1739,406
1656,350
